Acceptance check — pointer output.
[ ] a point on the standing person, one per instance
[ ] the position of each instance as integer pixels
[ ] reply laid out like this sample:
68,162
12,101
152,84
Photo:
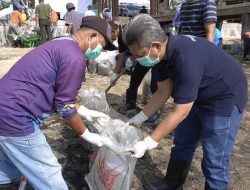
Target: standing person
43,81
246,41
198,18
107,14
137,75
143,10
16,27
90,11
18,5
209,92
42,12
218,38
53,21
73,19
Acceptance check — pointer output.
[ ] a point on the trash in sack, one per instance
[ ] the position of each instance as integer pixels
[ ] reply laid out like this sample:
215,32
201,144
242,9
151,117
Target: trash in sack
113,167
95,99
106,62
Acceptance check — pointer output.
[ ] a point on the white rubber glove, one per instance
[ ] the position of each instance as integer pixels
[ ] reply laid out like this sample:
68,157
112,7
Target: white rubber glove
138,119
113,77
141,147
91,115
94,138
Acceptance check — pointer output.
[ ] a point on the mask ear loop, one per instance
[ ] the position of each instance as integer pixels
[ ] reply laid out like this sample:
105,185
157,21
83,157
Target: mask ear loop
150,52
97,41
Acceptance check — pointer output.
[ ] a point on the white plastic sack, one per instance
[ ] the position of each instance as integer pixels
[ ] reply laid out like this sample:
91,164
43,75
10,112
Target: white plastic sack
111,171
113,168
95,99
106,62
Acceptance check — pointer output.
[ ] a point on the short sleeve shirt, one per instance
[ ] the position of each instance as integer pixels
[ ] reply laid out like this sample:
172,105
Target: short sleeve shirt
43,11
194,15
203,73
73,18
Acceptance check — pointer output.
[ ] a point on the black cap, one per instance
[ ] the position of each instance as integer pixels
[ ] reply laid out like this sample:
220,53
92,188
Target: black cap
70,6
102,26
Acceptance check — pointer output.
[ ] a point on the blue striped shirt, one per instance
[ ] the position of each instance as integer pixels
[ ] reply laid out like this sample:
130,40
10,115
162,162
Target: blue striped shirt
195,14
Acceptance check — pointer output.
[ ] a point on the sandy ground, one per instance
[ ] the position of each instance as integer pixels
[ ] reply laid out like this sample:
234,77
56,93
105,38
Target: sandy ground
74,158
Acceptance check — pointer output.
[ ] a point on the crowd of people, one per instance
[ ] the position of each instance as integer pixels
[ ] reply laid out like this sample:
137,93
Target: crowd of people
209,93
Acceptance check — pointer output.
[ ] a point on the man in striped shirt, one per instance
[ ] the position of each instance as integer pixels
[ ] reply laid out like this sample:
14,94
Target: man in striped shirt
198,18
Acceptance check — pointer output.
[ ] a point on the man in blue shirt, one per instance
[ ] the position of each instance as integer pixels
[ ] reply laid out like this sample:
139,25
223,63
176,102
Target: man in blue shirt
43,81
209,91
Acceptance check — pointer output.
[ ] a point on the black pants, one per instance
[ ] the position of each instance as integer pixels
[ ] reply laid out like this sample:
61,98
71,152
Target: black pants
246,41
44,25
136,78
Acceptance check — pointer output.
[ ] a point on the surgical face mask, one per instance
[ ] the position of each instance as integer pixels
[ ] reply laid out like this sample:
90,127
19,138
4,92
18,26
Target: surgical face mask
147,61
93,53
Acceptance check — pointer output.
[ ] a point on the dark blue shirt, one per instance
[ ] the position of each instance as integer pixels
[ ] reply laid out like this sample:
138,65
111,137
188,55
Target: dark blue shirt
203,73
193,15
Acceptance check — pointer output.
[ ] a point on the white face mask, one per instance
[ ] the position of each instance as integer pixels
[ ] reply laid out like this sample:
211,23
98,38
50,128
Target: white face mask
147,61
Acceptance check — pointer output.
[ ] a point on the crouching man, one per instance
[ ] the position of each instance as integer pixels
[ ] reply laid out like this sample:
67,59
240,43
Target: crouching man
209,91
42,81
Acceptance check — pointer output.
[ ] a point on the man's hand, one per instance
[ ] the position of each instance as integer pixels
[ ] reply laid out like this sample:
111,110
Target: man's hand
113,78
91,115
94,138
141,147
138,119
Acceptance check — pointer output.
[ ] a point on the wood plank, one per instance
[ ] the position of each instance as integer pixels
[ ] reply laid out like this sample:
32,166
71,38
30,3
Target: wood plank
224,12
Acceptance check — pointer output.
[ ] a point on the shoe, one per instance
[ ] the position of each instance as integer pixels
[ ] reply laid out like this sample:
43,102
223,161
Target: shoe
162,185
245,59
126,107
177,172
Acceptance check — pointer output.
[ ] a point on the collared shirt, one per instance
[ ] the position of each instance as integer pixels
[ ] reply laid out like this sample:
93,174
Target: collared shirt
44,80
194,15
203,73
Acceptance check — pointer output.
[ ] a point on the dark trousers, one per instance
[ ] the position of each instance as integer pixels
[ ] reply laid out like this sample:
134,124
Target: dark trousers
246,41
136,78
44,25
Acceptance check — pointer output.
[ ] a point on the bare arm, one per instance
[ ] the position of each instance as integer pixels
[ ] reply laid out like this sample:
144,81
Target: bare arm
37,20
170,122
210,29
119,63
159,98
69,29
77,124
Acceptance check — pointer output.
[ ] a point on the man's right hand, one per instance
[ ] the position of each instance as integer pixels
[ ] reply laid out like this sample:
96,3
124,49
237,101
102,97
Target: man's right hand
113,78
94,138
